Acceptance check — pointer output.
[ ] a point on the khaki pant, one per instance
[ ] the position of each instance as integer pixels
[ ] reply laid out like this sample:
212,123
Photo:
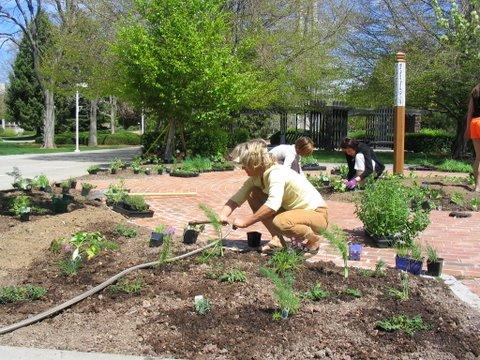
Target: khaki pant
297,224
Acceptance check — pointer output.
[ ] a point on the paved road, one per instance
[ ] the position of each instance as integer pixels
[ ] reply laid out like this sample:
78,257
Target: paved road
59,166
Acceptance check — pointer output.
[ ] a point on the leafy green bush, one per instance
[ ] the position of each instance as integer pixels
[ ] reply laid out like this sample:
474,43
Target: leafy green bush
121,138
20,205
13,294
135,202
238,136
359,134
451,165
103,138
207,141
116,193
41,181
291,136
429,141
390,209
316,293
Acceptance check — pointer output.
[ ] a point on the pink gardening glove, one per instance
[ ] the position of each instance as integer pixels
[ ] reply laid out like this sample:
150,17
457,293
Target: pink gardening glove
351,184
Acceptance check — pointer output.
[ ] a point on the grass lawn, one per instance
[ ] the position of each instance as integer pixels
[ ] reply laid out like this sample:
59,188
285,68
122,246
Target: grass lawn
442,162
19,149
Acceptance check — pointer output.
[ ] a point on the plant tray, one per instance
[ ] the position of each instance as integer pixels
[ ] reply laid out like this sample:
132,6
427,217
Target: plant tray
133,213
422,168
312,167
185,175
381,242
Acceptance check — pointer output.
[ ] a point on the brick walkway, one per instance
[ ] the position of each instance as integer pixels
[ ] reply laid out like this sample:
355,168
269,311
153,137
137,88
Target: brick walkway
457,240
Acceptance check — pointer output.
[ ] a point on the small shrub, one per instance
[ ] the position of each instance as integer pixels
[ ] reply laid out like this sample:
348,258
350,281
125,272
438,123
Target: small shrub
432,254
402,323
167,245
136,165
285,260
475,204
203,306
87,186
457,198
338,239
159,169
353,293
316,293
380,266
338,185
283,293
116,193
41,181
13,294
127,287
233,276
116,165
93,169
136,202
428,141
20,205
126,231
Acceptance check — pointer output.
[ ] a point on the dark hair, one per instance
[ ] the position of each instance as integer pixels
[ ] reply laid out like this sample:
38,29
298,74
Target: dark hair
349,143
475,100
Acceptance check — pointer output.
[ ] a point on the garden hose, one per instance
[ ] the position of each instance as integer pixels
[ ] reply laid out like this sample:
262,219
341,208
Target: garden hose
96,289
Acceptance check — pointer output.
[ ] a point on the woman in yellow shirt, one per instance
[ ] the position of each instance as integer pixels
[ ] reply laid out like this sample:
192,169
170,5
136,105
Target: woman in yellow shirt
283,200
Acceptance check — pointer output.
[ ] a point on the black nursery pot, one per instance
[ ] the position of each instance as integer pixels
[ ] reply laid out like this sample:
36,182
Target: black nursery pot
85,192
190,236
254,239
113,171
148,172
25,216
67,197
156,239
136,171
73,185
435,268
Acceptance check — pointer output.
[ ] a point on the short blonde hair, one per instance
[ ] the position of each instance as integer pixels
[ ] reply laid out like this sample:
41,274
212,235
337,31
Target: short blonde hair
304,145
254,155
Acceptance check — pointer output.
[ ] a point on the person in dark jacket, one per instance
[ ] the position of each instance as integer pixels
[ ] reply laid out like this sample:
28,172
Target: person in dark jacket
361,160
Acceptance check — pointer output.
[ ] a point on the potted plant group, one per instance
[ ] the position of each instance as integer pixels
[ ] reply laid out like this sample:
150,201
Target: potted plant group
94,169
21,207
409,258
183,171
133,206
86,188
434,263
191,232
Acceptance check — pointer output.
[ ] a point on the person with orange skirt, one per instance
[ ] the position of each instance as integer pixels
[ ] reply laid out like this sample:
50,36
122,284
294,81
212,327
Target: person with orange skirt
473,131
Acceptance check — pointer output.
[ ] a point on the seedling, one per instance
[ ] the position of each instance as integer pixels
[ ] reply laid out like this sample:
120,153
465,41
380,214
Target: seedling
402,323
277,315
380,266
116,165
86,188
127,287
475,204
126,231
404,293
285,260
338,185
316,293
70,267
416,251
41,181
338,239
159,169
432,254
21,205
353,293
136,165
287,300
457,199
13,294
233,276
167,245
202,305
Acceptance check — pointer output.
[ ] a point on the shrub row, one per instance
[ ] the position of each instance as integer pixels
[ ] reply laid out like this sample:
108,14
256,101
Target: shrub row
428,141
103,138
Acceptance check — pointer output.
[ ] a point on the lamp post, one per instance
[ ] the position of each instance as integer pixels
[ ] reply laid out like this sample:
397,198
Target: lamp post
77,99
399,125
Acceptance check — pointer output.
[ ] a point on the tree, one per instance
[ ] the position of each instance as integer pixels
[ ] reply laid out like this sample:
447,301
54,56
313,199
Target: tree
175,58
24,96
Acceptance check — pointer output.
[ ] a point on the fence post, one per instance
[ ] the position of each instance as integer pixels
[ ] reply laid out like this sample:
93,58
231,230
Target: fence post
399,139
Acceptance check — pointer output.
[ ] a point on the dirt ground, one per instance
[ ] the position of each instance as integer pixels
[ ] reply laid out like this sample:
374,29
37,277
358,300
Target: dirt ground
161,320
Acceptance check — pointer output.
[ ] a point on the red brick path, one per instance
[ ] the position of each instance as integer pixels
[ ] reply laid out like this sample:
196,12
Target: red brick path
457,240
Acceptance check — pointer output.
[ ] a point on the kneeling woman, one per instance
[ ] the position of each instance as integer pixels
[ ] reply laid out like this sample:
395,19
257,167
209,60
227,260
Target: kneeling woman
362,162
283,200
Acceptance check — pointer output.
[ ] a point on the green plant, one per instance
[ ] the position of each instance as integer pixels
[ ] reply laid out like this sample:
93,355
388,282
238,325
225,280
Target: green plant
19,182
127,287
13,294
338,185
457,198
309,160
475,204
380,266
338,239
416,251
285,260
285,296
87,186
167,245
56,245
70,267
65,185
93,169
277,315
353,292
401,250
116,165
316,293
343,169
159,169
20,205
160,228
432,254
196,164
203,306
403,323
135,202
126,231
404,292
116,193
401,217
233,276
450,165
136,165
41,181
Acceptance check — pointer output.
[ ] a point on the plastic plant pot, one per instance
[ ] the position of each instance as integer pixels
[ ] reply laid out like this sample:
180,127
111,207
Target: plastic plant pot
285,314
59,205
25,216
156,239
435,268
402,262
415,267
85,192
254,239
67,197
355,252
136,171
73,185
113,171
148,171
190,236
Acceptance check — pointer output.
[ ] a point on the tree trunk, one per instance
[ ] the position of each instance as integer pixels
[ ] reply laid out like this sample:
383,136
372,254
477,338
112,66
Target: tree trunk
92,135
459,145
113,113
49,120
170,137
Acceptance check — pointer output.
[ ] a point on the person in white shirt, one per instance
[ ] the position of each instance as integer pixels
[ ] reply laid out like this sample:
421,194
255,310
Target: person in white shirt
289,155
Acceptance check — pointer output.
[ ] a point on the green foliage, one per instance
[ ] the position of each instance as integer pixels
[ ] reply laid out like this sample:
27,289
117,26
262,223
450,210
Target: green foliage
450,165
457,198
284,294
13,294
87,186
316,293
196,164
126,231
416,251
103,138
233,276
402,323
116,192
311,160
338,239
159,169
127,287
41,181
432,253
475,204
56,245
285,260
399,218
136,165
116,165
207,141
212,216
343,171
93,169
70,267
210,254
59,205
429,141
404,293
338,185
135,202
21,205
166,252
353,292
277,315
203,306
380,266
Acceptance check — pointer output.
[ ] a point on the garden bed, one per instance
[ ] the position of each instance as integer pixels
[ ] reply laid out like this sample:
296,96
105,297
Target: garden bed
161,320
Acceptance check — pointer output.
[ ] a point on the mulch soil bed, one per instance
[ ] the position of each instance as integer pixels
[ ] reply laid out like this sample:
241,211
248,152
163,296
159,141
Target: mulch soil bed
161,320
